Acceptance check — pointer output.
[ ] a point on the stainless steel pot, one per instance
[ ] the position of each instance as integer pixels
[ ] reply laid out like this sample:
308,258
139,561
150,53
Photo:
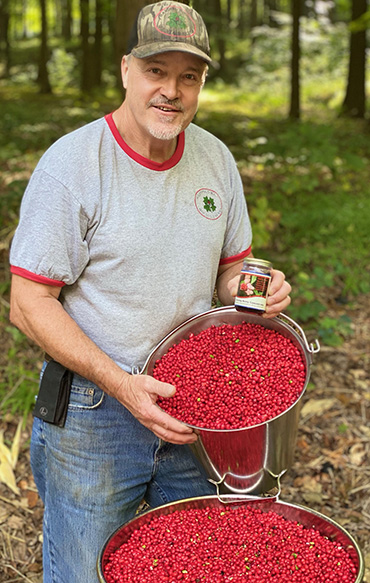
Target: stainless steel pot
247,460
308,518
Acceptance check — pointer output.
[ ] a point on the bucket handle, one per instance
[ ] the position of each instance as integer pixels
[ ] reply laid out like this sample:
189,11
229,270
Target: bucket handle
248,497
313,347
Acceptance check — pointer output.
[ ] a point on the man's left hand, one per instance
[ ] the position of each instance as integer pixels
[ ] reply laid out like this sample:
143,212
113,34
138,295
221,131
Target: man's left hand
278,298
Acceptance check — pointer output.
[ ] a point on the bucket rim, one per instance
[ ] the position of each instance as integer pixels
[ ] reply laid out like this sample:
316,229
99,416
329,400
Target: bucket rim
283,320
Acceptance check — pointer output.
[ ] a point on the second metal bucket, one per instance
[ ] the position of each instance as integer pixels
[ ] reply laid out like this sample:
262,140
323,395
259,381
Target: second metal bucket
292,512
247,460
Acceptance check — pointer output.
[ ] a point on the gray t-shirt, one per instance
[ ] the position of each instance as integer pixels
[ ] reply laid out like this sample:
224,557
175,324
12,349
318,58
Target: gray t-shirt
134,245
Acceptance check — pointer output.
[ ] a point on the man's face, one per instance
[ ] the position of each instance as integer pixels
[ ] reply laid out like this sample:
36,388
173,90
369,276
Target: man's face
162,92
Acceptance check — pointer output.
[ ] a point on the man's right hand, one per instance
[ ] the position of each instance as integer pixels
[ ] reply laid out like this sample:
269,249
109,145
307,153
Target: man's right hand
139,393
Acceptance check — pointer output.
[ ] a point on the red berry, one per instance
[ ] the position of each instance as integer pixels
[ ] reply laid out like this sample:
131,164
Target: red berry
232,376
238,544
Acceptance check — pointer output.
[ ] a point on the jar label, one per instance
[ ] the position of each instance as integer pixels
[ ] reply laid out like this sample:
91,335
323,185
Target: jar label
253,290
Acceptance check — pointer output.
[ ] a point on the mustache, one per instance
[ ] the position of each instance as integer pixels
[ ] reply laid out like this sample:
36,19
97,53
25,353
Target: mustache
176,103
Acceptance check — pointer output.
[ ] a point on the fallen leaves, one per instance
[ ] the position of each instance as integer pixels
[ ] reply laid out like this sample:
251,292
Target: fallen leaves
311,489
9,458
317,406
357,454
20,508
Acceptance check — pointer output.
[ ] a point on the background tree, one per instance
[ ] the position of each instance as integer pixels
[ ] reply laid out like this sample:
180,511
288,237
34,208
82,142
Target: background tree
67,19
4,35
295,107
86,61
97,53
43,75
354,104
126,12
217,26
253,13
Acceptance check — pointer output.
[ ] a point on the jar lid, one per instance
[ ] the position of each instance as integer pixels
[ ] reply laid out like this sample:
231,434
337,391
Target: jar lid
255,261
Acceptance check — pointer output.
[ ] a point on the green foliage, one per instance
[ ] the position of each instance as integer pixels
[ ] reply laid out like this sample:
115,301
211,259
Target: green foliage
362,23
333,330
324,51
62,68
311,177
264,221
19,381
342,428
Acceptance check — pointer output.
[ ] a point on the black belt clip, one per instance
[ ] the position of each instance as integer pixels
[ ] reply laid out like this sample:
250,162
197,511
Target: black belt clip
53,398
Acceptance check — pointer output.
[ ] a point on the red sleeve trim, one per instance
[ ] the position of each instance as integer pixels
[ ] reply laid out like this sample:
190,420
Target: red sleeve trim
159,166
238,257
34,277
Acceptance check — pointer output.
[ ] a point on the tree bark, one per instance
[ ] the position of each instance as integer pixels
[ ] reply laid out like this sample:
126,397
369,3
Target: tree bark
43,75
253,18
295,107
85,46
98,43
219,32
126,12
354,104
67,19
4,35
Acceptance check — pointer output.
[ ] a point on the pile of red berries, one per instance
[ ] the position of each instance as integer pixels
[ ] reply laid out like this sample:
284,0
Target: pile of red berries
239,544
231,376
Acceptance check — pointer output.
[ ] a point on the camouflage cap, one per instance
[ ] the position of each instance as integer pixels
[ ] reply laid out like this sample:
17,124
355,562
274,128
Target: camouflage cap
169,26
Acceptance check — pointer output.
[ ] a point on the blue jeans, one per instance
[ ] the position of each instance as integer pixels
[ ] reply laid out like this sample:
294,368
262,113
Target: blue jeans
93,474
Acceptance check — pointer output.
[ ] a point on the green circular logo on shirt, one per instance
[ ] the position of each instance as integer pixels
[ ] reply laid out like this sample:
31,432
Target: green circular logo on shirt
208,203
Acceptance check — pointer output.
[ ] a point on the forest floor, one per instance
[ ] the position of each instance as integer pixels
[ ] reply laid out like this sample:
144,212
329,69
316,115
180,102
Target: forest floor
330,473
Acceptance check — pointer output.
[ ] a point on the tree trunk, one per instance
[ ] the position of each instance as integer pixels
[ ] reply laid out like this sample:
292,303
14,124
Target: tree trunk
219,32
43,76
4,35
354,104
295,108
98,43
228,11
253,19
126,12
270,8
67,19
24,24
86,69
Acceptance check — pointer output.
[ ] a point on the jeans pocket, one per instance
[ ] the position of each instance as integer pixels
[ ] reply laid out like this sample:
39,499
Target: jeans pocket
84,395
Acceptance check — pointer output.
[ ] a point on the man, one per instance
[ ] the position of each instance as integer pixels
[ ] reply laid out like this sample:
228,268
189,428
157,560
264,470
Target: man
126,227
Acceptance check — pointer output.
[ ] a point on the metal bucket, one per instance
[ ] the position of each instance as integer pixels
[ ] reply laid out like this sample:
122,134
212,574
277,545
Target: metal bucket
247,460
308,518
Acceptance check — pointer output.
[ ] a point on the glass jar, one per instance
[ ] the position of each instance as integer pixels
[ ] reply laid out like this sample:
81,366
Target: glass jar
254,285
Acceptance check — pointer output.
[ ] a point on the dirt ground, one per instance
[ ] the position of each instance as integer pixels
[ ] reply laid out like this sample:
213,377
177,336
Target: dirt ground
330,474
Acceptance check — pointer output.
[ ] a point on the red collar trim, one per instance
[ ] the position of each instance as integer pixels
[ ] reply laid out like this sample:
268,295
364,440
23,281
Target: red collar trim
159,166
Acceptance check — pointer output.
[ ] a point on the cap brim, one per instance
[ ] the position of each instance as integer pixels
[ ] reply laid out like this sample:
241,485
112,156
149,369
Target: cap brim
157,48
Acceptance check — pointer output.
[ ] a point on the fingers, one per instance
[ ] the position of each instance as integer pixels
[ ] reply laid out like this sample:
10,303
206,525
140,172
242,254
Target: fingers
233,285
167,434
163,389
278,299
167,428
139,394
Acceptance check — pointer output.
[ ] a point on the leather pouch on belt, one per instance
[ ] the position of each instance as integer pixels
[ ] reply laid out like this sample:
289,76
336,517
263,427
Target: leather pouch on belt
53,398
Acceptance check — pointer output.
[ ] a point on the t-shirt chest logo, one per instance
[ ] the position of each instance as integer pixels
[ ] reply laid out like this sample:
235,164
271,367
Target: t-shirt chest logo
208,203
